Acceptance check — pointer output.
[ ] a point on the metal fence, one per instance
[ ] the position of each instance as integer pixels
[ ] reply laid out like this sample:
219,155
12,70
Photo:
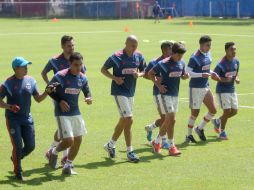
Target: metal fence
77,9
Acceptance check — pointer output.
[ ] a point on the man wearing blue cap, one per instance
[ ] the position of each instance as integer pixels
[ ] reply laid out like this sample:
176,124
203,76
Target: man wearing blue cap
18,90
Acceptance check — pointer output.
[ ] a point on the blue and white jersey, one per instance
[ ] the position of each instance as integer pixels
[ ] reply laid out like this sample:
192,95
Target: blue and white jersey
19,92
151,64
124,66
171,73
59,63
200,63
226,69
69,90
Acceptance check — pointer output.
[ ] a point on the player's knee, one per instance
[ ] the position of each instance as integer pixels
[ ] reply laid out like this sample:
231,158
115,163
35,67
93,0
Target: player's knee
227,113
30,148
233,112
68,142
128,120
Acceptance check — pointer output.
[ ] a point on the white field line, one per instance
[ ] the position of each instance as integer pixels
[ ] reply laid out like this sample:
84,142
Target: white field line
118,31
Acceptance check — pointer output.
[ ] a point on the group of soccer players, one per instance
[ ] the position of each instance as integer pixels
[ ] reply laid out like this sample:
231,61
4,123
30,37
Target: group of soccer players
127,66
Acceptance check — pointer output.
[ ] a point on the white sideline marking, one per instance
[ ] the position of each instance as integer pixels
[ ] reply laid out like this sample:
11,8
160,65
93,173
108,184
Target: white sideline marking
50,33
118,31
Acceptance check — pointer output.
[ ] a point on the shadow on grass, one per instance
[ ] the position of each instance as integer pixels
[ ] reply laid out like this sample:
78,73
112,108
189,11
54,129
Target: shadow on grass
45,176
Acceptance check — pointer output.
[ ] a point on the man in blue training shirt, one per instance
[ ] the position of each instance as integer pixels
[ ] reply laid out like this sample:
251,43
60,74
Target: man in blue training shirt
166,48
128,65
227,69
56,64
18,90
170,70
199,92
156,12
70,122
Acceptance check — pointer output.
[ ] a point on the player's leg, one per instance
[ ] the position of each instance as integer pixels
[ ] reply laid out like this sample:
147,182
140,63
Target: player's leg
14,130
28,135
195,101
210,104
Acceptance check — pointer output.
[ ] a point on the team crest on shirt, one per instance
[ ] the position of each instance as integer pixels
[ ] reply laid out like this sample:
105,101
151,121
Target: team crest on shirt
79,82
28,86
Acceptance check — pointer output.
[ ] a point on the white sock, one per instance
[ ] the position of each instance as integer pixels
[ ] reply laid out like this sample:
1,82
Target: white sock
158,139
206,119
171,142
54,151
191,123
54,144
164,138
65,152
129,149
112,143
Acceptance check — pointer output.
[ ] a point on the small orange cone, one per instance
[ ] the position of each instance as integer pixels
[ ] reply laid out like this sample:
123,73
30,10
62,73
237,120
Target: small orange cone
126,29
169,18
54,20
191,23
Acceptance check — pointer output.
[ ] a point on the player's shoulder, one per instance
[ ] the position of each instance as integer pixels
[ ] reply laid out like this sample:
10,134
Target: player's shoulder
8,80
138,53
29,78
163,61
118,53
236,60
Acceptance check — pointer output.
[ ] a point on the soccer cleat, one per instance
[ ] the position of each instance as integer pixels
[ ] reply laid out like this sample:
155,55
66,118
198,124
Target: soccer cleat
68,171
149,133
173,151
200,133
19,176
156,147
165,145
216,124
47,154
111,151
190,138
223,135
52,160
132,157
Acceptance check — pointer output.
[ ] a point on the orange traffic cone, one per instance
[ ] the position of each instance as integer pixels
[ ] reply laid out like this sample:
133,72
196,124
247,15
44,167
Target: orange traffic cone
55,20
169,18
126,29
191,23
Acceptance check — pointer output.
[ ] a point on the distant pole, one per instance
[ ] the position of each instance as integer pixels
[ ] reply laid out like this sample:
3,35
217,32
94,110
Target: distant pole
238,9
210,8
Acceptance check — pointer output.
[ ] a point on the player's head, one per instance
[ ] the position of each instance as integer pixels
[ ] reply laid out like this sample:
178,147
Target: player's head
76,63
166,48
205,43
178,50
131,44
19,65
67,44
230,49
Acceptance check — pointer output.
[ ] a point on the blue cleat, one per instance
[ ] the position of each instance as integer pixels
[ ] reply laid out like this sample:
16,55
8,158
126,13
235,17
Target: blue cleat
216,123
132,157
149,133
165,145
223,135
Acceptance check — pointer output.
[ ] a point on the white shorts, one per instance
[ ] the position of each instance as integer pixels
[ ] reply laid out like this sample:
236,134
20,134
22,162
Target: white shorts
228,100
196,97
71,126
124,105
166,104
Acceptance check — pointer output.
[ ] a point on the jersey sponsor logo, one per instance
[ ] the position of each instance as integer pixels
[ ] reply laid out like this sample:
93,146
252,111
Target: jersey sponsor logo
28,86
230,74
206,67
72,91
79,82
129,71
175,74
236,66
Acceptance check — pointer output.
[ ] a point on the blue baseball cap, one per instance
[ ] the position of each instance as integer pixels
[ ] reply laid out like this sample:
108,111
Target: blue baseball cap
20,62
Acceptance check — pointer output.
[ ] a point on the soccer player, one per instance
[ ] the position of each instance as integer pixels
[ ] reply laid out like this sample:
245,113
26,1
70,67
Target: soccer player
70,122
156,12
171,70
56,64
166,48
199,92
128,65
227,69
18,90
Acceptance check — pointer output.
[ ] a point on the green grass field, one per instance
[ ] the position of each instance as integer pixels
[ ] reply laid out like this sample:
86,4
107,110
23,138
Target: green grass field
204,166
